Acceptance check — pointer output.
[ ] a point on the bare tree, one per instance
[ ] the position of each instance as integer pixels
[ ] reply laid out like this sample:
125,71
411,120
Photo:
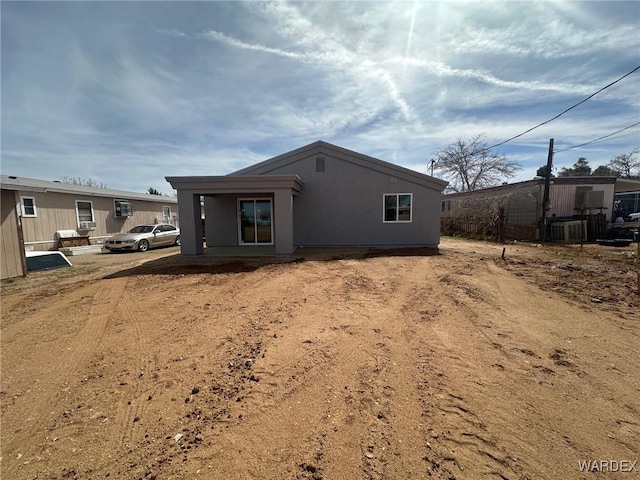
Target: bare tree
626,164
84,182
469,164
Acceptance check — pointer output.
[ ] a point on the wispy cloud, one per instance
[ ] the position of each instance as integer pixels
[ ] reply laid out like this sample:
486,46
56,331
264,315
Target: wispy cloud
319,48
233,42
562,40
442,70
172,32
209,87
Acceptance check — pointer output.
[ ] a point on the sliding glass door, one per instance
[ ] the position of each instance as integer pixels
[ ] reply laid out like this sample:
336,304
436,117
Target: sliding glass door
255,221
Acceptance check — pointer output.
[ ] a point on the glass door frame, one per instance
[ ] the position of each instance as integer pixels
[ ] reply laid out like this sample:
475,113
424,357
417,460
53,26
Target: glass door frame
255,222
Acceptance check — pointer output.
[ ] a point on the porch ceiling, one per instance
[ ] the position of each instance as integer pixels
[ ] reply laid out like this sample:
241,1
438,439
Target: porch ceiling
237,184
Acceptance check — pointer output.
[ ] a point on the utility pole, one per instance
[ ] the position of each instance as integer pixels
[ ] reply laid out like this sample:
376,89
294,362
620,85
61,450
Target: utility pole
433,162
545,197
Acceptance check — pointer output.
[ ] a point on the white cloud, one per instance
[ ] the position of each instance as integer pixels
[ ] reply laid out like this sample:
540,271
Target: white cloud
212,87
172,32
213,35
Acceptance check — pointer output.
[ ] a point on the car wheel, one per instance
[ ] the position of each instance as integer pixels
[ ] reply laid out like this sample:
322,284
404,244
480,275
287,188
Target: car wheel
143,246
177,241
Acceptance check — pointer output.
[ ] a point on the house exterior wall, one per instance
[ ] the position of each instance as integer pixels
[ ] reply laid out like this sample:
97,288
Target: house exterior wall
223,230
563,197
57,211
475,212
11,250
344,205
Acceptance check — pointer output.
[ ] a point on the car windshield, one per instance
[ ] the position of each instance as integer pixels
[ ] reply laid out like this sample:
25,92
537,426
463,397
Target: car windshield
141,229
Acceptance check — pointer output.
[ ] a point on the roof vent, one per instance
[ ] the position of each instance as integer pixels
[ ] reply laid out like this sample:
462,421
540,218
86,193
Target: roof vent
320,167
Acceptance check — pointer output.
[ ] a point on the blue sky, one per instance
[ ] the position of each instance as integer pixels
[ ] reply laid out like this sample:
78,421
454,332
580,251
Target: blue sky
126,93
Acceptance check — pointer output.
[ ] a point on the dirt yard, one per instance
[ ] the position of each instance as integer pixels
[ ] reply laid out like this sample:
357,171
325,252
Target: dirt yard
338,365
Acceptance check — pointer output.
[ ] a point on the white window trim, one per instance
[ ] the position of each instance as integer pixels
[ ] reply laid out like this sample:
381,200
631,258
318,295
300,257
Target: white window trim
93,217
384,208
24,213
165,217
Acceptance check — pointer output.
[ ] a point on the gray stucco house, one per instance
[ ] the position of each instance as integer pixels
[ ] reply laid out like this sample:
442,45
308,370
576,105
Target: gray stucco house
315,196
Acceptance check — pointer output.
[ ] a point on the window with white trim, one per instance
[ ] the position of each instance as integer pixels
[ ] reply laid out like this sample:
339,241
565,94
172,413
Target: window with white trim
28,206
166,213
397,207
84,211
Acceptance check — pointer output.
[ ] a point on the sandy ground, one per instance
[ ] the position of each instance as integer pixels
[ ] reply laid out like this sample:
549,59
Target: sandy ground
338,365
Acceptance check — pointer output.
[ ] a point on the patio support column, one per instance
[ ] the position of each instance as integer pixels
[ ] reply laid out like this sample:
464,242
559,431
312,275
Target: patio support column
190,222
283,221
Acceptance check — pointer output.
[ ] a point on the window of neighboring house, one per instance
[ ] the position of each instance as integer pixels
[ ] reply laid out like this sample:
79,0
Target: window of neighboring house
166,213
28,206
397,207
84,211
122,208
446,205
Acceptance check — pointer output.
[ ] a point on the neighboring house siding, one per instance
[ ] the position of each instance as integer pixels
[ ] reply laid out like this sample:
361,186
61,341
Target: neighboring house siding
57,211
11,251
477,212
343,205
563,197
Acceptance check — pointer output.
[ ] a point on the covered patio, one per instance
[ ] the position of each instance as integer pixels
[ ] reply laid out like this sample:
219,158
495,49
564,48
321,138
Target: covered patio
255,213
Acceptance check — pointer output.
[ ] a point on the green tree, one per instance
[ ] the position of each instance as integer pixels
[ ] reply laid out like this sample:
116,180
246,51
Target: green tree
153,191
604,171
580,169
469,165
542,172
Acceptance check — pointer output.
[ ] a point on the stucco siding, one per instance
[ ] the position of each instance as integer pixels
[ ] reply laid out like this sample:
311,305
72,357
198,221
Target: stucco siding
222,231
343,205
11,250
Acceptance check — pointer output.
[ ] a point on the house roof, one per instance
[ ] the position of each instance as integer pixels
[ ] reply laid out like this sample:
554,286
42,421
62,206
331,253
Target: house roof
627,185
8,182
493,190
536,181
239,184
346,155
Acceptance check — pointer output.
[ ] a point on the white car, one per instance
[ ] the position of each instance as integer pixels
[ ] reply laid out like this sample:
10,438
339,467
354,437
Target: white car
144,237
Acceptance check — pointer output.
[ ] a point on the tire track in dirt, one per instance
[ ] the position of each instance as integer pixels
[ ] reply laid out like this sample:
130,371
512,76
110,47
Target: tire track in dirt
501,348
385,367
370,415
70,364
226,391
330,390
138,390
458,443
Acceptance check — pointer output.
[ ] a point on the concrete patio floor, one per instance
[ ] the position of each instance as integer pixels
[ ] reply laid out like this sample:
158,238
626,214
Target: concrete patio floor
241,251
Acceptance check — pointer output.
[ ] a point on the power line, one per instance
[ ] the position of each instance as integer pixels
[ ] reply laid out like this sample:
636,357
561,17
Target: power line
597,139
565,111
